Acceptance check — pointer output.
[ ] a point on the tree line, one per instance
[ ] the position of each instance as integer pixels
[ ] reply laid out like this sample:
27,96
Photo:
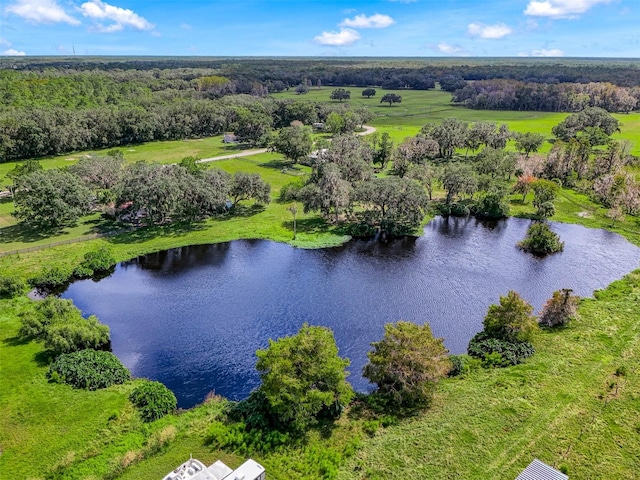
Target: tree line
350,72
131,193
562,97
44,131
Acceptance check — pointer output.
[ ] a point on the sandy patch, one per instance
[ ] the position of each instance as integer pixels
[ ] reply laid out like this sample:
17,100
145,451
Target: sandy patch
584,215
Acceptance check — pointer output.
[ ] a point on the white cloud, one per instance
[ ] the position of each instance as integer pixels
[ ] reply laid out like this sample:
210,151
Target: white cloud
4,42
543,52
499,30
122,17
561,8
41,11
451,49
343,38
374,21
13,53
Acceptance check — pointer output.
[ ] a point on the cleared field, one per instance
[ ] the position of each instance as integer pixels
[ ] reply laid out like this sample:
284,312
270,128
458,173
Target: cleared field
419,107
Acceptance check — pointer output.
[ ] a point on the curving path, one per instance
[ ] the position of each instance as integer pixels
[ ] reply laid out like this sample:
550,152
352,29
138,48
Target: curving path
368,130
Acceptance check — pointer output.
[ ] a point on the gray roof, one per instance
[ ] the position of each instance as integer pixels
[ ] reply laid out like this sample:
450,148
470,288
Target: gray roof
538,470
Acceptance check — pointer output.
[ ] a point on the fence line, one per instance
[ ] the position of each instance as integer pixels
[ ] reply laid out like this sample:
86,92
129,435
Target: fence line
85,238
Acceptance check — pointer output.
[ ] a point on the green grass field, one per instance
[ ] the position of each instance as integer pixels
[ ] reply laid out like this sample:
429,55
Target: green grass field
419,107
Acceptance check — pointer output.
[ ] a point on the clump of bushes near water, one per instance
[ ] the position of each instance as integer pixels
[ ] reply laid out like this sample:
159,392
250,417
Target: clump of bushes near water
153,400
89,369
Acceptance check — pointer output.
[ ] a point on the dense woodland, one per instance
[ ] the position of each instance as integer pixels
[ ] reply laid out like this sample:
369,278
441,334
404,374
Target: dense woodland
52,107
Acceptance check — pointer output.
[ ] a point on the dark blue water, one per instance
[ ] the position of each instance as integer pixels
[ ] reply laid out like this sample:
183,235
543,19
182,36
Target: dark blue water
193,317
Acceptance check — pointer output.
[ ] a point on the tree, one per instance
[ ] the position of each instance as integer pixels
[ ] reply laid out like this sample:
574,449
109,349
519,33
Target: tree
294,142
391,98
50,199
302,89
416,150
427,175
456,178
334,123
303,377
369,92
511,320
541,240
523,185
559,309
528,142
450,134
153,400
399,204
328,191
247,186
382,150
340,94
252,125
99,172
545,193
590,120
407,363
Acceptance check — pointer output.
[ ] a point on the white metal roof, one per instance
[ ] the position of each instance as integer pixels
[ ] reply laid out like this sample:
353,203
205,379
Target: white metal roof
538,470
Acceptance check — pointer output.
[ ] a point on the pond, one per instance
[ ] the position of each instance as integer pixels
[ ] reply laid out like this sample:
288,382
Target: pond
193,317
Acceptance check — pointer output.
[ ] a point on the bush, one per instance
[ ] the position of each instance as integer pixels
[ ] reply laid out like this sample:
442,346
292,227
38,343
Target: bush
463,364
95,262
50,280
495,352
153,400
60,325
362,230
11,287
407,364
541,240
511,320
559,309
89,369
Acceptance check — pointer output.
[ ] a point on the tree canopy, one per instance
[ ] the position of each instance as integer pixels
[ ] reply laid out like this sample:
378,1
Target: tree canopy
407,363
303,377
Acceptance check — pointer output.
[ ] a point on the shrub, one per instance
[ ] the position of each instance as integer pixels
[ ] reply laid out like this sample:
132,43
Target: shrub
95,262
89,369
153,400
304,378
76,334
50,279
463,364
541,240
407,364
559,309
11,287
498,352
60,325
511,320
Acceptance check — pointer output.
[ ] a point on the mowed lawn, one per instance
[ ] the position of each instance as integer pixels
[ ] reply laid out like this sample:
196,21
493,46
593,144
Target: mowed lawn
419,107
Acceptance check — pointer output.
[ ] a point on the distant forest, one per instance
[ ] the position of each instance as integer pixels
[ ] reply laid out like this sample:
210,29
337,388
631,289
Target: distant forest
50,106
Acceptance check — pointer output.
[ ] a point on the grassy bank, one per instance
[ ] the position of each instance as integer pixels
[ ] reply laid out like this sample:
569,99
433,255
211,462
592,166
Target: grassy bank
566,405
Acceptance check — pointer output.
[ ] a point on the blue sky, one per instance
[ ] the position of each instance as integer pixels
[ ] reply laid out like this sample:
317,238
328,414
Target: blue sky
572,28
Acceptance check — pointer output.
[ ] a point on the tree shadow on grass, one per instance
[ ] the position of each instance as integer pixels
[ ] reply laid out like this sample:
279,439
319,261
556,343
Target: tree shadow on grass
243,211
24,234
144,234
44,358
281,164
16,341
309,225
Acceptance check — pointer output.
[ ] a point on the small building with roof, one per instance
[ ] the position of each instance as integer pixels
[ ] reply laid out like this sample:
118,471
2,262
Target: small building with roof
538,470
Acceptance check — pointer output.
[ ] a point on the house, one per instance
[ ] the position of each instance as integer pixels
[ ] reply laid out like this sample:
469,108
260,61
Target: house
318,126
538,470
194,469
229,138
